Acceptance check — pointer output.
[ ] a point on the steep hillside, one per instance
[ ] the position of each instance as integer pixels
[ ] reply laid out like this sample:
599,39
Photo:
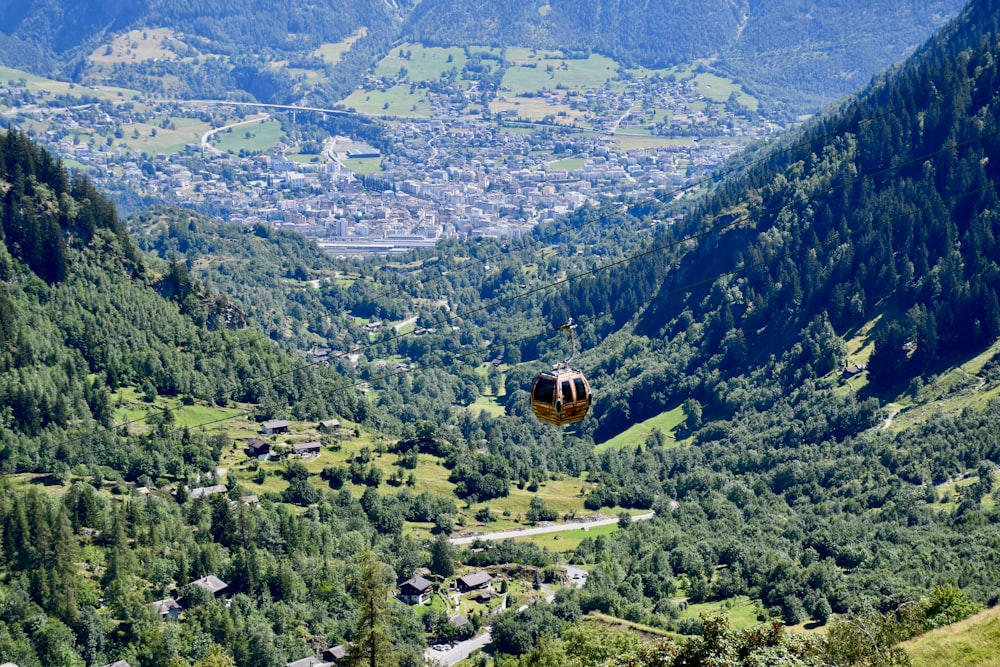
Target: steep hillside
883,209
206,49
81,317
806,54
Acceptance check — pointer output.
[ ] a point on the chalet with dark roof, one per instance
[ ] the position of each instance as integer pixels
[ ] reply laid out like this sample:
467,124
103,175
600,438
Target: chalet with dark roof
272,426
310,661
258,449
306,449
168,609
474,582
204,491
328,425
415,591
334,654
212,584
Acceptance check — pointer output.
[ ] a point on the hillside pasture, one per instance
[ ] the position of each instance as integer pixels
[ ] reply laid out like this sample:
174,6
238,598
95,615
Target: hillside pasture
255,137
138,46
549,73
666,423
40,85
973,642
422,63
333,52
397,101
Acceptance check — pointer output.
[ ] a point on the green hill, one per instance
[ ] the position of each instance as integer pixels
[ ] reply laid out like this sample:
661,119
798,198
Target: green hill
805,56
795,56
974,642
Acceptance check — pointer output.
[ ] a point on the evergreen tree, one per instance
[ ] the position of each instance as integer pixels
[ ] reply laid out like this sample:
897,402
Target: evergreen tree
372,644
442,556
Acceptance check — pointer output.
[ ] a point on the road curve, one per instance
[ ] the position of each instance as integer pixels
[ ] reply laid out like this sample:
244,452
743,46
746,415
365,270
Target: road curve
541,530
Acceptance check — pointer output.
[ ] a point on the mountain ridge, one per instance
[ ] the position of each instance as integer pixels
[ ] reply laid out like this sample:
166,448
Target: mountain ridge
813,58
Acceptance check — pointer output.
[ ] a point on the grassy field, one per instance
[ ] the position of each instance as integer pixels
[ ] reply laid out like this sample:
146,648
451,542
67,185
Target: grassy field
974,642
425,63
333,52
741,611
36,84
569,163
719,89
666,422
257,137
173,138
131,409
363,166
398,101
137,46
486,403
529,74
538,108
569,540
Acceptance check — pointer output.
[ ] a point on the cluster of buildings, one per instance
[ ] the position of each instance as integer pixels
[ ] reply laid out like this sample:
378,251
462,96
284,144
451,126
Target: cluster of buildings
458,175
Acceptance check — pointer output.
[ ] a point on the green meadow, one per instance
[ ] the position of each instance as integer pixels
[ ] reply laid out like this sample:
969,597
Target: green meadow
422,63
254,137
665,422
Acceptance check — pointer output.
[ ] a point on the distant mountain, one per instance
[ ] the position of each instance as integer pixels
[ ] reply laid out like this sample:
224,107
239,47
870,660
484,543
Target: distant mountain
229,47
803,54
809,53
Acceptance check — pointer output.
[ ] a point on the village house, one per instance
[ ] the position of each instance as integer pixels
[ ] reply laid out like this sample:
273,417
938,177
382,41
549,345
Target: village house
474,582
306,449
310,661
203,491
272,426
415,591
334,654
328,425
212,584
168,609
258,449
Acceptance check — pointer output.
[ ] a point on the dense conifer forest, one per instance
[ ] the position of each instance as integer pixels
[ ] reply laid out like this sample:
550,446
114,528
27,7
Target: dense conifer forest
783,484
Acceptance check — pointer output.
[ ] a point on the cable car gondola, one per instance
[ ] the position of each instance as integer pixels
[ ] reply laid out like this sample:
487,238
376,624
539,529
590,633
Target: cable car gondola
561,396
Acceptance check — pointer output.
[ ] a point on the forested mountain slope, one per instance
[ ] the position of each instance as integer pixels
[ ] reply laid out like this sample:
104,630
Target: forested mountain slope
814,52
82,321
805,55
885,208
207,49
80,316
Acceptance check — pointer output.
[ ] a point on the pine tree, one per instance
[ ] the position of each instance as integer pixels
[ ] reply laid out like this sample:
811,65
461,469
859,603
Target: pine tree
372,645
442,556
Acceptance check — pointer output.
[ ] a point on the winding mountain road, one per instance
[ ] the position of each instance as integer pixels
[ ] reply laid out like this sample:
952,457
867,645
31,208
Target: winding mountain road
541,530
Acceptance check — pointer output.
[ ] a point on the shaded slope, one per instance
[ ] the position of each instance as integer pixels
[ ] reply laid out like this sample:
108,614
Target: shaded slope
804,54
886,207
